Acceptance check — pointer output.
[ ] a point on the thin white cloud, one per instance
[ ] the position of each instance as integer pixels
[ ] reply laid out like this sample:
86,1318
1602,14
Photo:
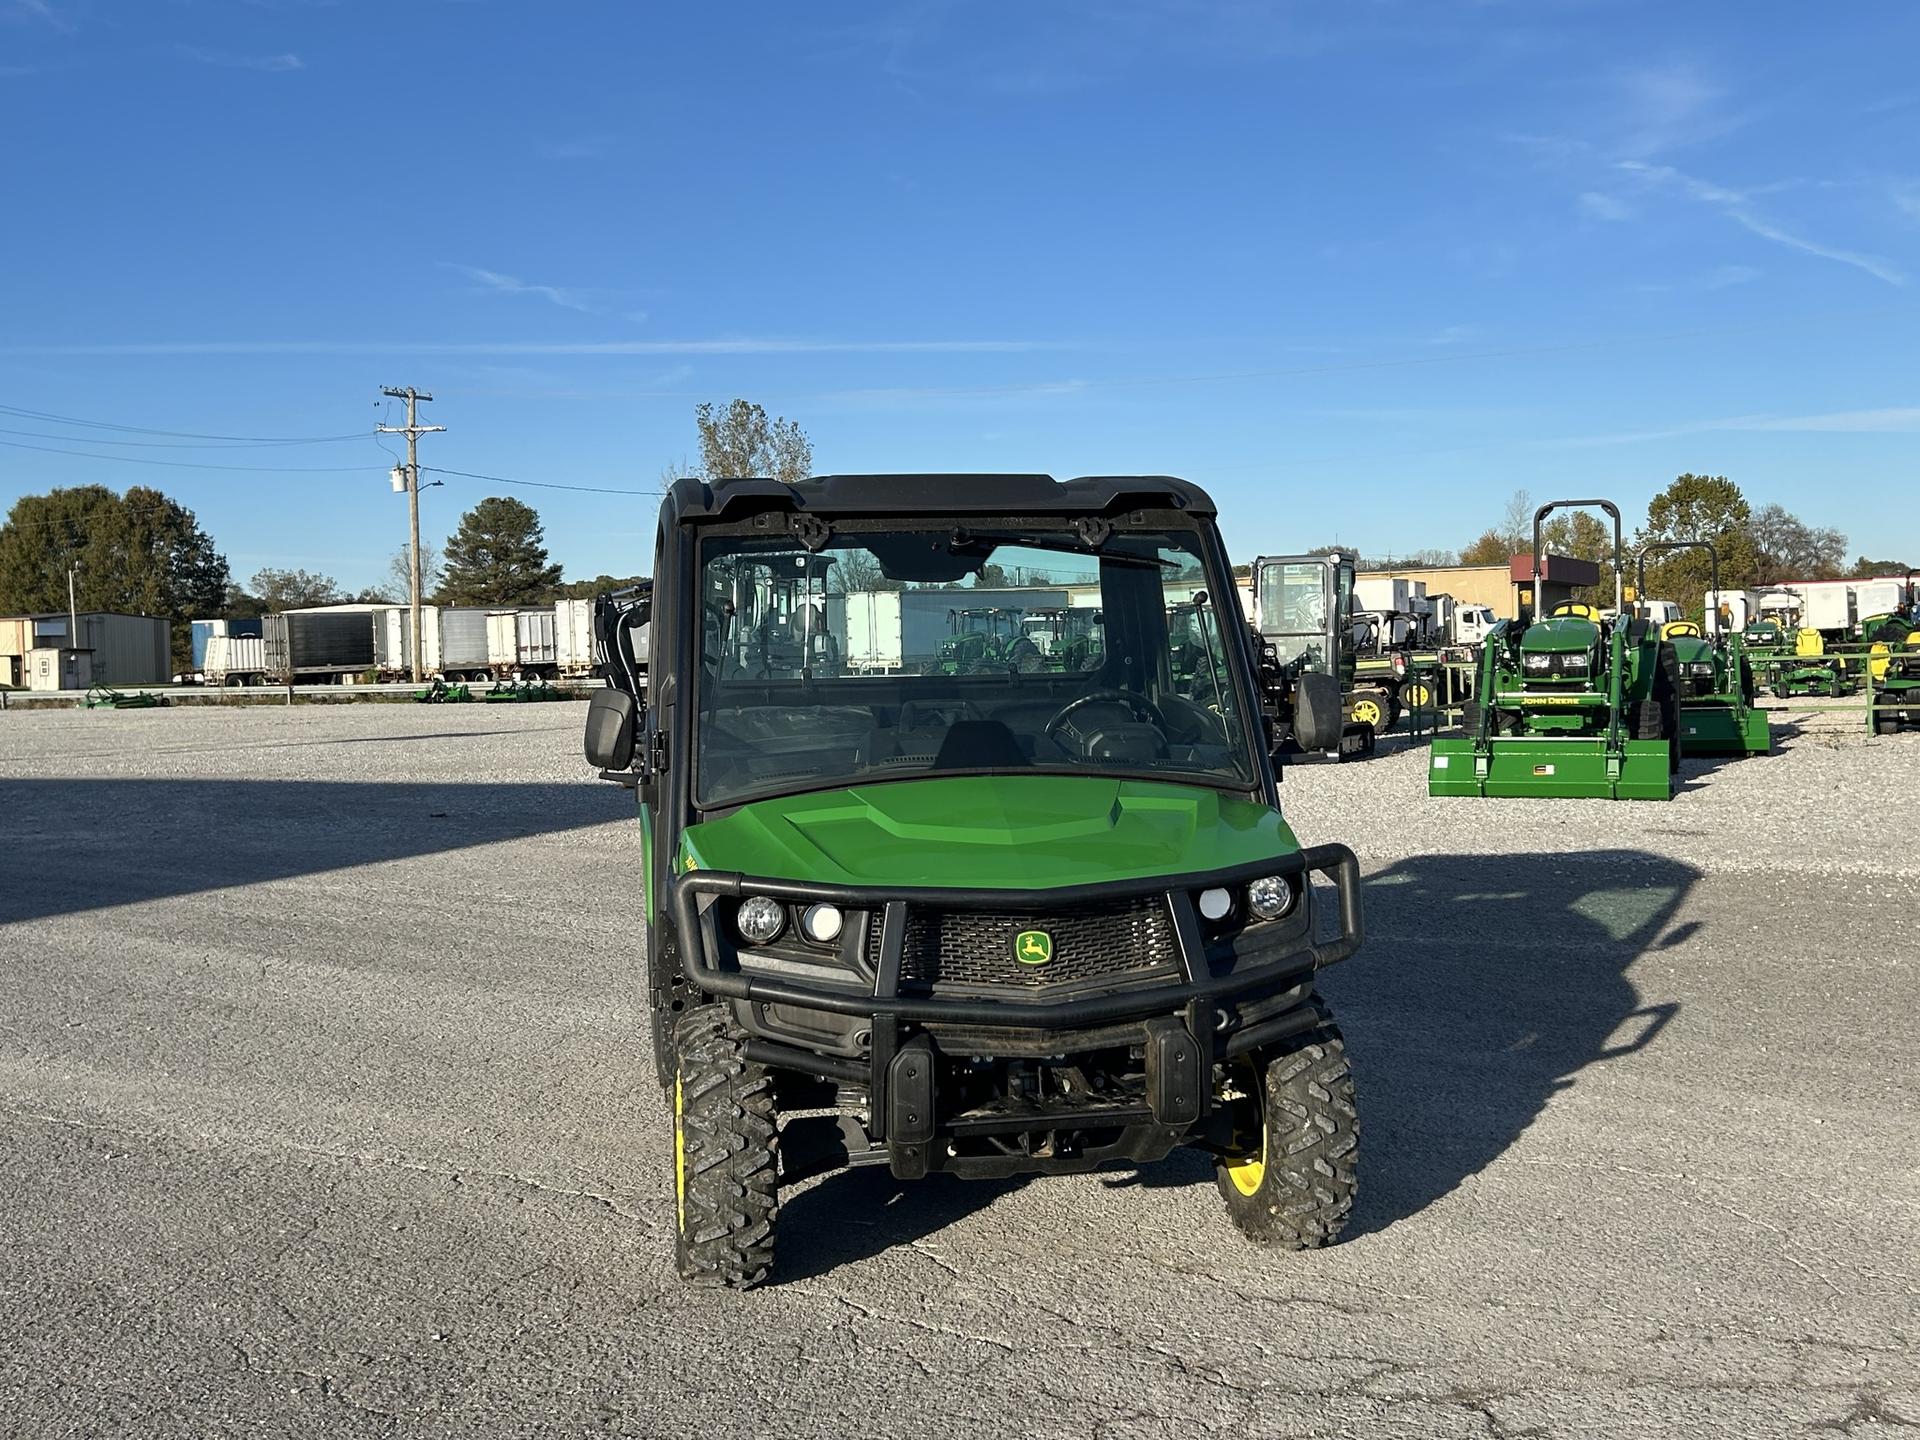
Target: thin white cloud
41,11
1899,419
1669,105
1905,195
741,345
1736,206
1598,206
1727,275
266,64
493,280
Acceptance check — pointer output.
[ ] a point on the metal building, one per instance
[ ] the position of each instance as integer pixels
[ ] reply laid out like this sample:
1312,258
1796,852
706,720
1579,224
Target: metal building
121,649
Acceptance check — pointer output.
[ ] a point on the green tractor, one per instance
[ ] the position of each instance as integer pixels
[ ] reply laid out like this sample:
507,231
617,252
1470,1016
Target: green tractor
1574,705
1716,686
1893,669
1069,638
987,638
985,924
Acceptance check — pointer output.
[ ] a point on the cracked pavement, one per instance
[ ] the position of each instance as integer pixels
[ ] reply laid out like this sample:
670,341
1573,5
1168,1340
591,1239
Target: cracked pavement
326,1109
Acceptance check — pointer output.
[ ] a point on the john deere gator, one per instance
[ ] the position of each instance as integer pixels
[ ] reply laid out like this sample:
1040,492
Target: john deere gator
1716,686
1573,705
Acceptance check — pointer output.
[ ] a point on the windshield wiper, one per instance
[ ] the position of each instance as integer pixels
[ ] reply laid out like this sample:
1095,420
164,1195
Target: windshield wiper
961,540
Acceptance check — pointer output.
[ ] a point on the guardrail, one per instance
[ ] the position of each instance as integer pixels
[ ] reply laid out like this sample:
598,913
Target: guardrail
386,691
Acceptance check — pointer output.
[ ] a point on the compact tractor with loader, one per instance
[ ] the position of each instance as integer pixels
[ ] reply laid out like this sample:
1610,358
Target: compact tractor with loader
1572,704
987,924
1716,685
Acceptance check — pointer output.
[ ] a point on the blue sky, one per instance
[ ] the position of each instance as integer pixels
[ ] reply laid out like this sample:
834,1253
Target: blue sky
1362,269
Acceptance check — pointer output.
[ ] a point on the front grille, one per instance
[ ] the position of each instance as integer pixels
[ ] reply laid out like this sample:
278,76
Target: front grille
1090,942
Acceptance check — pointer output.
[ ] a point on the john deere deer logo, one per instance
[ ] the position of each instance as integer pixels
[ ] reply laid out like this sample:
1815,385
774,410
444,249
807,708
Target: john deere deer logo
1033,947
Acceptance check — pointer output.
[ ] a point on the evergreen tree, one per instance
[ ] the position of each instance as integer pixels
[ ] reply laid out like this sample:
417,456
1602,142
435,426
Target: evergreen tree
498,556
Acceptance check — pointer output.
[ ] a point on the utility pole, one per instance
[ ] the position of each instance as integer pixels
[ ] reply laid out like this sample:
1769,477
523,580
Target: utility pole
413,430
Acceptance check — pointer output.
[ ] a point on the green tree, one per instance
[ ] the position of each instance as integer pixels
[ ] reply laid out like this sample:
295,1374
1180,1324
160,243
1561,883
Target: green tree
293,589
140,553
498,556
1577,534
740,441
599,585
1865,569
1699,507
1490,549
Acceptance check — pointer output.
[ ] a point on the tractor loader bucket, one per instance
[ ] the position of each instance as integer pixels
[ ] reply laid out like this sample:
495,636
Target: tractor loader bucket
1724,729
1551,767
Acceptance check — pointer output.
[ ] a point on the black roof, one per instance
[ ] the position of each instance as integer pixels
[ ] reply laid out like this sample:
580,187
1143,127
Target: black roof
936,494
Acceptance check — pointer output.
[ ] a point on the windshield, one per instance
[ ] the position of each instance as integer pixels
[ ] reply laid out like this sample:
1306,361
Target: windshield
1293,611
891,654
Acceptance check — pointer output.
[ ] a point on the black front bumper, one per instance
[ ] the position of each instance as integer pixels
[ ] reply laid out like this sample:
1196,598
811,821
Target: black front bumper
1202,1012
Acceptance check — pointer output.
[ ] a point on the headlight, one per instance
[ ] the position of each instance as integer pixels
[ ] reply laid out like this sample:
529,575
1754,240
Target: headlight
1215,904
1575,664
1270,897
1540,663
760,920
1700,667
821,923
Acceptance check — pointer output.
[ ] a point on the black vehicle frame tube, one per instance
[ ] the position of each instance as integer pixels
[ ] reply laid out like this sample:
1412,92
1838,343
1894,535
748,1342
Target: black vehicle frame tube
827,1067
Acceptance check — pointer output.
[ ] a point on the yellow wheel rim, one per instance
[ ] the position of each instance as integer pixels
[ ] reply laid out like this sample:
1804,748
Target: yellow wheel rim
1367,712
1248,1171
679,1157
1418,696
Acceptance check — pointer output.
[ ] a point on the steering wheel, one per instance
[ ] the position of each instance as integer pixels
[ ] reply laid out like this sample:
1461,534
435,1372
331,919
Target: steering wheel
1141,707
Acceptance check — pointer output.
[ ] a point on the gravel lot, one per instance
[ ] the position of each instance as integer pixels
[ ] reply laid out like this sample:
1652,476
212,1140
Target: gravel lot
327,1111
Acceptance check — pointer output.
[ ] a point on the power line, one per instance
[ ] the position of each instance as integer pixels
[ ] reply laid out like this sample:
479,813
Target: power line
175,434
198,465
540,484
167,444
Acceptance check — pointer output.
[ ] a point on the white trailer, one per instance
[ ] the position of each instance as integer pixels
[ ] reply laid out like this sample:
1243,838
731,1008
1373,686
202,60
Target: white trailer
235,660
1879,597
1828,609
1384,593
882,630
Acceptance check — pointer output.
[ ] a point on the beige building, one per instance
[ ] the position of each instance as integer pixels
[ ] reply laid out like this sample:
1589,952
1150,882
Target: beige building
1504,588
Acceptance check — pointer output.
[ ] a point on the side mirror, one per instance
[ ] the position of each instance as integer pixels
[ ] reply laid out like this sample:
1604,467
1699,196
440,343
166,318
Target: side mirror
610,727
1318,718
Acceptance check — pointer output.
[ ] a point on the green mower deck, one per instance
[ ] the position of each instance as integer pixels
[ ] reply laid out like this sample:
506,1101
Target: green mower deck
1556,767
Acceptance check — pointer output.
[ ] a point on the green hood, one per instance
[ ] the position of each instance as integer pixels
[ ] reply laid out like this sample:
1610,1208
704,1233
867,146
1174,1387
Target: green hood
1562,635
1689,648
991,832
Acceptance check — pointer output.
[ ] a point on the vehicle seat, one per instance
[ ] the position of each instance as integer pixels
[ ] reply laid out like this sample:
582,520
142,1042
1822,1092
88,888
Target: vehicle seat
1577,609
1674,629
1809,642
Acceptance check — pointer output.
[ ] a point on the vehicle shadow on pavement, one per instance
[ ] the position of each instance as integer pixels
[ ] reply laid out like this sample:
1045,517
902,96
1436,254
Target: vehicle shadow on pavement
1486,986
854,1215
76,845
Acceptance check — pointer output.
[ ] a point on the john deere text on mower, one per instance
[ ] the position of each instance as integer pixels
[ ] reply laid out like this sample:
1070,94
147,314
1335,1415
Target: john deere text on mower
985,923
1716,684
1575,704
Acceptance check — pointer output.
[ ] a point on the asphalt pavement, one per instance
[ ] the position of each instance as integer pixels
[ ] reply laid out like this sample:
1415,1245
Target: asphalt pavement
326,1108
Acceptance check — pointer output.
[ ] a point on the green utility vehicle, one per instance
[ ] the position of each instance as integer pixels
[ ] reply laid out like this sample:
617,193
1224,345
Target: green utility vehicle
985,924
1715,678
1574,704
1303,618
